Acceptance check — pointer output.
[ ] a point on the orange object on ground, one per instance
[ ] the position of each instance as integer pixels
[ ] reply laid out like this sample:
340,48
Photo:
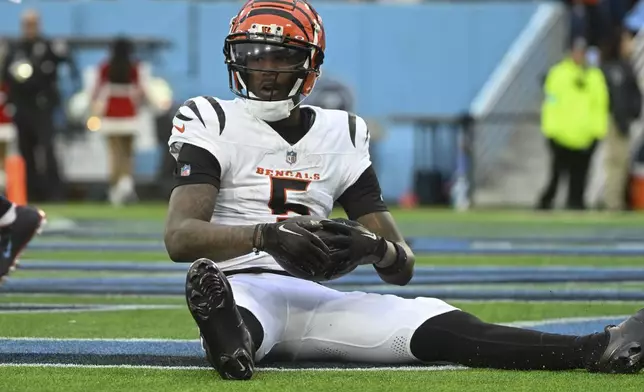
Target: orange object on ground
637,187
16,175
408,201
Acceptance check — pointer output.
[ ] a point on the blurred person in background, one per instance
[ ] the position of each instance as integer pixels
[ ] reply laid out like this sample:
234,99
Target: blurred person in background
574,118
330,93
30,71
7,129
116,101
590,19
18,224
625,107
634,19
7,132
597,20
617,11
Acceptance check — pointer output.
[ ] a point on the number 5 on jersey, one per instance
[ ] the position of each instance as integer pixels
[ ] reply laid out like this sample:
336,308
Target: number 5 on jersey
278,201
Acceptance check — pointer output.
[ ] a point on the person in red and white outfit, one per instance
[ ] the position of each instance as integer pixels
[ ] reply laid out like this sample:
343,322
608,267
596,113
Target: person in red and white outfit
116,100
7,129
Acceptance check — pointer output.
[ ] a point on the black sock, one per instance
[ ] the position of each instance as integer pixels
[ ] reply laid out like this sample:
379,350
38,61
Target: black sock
461,338
254,327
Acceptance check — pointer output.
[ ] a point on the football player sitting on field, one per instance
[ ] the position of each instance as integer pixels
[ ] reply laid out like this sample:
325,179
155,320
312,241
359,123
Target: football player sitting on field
256,179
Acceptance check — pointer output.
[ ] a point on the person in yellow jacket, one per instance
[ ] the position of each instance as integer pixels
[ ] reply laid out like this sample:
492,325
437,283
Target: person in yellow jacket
574,117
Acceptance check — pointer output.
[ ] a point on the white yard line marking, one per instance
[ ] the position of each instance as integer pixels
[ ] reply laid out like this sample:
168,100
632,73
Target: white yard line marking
564,320
270,369
36,339
23,308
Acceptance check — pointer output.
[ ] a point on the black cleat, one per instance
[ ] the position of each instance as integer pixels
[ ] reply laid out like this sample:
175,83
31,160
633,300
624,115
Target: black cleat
224,336
14,237
624,351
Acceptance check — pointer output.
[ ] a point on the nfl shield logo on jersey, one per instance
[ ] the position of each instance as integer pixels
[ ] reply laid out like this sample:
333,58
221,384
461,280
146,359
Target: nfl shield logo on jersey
185,170
291,157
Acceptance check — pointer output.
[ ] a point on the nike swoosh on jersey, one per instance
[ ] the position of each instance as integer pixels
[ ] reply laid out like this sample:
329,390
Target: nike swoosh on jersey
284,229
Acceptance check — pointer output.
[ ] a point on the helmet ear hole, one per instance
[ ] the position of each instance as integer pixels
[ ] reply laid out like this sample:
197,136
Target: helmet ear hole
318,59
309,82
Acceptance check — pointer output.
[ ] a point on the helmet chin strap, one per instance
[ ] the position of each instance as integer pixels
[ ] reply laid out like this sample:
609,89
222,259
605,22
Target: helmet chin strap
269,111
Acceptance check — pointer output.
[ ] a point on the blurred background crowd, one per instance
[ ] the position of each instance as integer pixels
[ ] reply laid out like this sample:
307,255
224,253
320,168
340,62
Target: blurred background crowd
530,104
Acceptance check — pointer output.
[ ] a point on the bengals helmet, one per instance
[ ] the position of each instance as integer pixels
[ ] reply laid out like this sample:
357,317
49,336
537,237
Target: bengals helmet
274,50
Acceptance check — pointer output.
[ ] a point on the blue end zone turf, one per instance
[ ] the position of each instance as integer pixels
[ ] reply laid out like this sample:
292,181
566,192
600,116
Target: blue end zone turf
418,245
152,352
447,293
165,266
607,237
102,352
578,327
425,284
364,277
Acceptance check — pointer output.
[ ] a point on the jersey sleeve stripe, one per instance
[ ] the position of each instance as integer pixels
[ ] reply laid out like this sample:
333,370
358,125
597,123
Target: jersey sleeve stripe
221,115
182,116
352,128
190,104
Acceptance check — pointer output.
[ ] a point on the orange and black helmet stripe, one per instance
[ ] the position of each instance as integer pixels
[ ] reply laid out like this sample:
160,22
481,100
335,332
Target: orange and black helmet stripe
277,9
295,6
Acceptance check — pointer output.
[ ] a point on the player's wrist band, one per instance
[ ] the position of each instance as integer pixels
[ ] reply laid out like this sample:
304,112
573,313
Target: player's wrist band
398,265
257,238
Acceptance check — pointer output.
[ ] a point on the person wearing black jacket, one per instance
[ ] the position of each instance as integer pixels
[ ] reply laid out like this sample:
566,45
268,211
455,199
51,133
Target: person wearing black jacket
30,71
625,107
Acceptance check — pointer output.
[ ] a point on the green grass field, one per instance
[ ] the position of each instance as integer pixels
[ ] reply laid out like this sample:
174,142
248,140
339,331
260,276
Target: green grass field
174,322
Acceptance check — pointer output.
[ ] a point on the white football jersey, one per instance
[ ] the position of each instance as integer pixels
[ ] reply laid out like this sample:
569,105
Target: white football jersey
263,177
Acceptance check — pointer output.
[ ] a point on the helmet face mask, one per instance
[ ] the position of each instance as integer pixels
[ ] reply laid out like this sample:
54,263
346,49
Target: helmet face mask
268,71
274,50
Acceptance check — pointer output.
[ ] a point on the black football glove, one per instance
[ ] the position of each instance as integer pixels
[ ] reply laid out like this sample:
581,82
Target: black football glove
294,247
340,246
360,245
364,247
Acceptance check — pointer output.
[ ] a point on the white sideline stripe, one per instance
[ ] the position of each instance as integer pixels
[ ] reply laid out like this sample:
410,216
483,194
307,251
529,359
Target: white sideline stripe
476,301
107,340
535,323
264,369
79,308
543,301
540,22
